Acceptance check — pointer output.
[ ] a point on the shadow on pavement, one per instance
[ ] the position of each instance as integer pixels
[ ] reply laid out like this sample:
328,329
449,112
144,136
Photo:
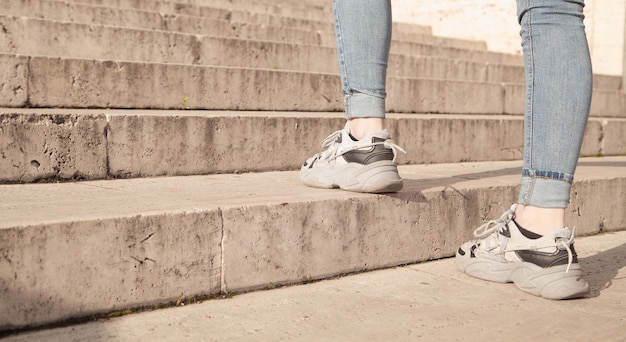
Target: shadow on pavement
600,270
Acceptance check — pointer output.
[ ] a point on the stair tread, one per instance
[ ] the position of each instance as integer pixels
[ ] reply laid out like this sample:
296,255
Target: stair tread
32,204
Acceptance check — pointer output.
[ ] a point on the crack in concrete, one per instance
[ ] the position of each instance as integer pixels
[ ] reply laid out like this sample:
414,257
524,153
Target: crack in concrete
223,285
141,262
602,140
147,238
107,159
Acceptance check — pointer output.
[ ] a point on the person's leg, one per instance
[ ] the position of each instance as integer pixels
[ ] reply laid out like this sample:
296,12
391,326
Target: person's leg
363,36
558,87
529,245
361,157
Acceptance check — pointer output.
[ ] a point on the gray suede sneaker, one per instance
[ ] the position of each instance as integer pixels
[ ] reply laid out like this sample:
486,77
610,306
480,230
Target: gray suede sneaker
545,267
366,165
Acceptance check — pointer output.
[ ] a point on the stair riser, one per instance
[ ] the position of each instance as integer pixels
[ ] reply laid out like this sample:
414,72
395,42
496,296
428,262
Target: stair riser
28,36
193,9
106,265
217,22
71,83
76,269
411,49
434,224
119,145
221,23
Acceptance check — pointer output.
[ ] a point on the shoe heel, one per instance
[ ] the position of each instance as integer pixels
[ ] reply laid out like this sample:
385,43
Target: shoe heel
554,283
380,177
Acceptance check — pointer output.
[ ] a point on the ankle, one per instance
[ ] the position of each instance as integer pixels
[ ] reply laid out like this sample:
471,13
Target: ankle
361,127
540,220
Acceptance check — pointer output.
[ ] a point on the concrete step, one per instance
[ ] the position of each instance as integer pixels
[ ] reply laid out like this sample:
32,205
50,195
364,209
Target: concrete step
252,11
150,18
411,49
428,301
309,5
81,249
465,70
79,83
118,17
68,144
29,36
178,7
285,15
221,22
62,145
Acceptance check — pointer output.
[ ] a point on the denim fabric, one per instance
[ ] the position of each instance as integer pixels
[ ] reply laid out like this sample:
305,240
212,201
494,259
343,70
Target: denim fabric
363,33
558,84
558,96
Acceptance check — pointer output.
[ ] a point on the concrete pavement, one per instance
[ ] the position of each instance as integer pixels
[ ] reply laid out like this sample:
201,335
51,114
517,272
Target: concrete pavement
431,301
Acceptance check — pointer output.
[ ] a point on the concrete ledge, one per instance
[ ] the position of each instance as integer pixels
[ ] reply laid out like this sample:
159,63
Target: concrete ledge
150,18
29,36
408,48
73,83
76,249
94,144
35,147
79,83
404,66
221,22
426,301
86,266
183,7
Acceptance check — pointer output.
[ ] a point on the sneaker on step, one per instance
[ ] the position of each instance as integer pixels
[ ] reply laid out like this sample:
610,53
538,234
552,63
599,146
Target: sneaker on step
546,266
366,165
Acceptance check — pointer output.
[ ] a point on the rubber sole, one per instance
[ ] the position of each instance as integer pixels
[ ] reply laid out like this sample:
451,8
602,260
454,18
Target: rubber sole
549,283
379,177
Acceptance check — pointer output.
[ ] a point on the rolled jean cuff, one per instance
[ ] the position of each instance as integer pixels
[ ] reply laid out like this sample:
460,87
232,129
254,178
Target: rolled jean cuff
361,105
544,192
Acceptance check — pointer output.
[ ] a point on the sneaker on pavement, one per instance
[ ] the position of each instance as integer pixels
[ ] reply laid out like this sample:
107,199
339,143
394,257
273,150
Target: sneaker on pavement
545,267
366,165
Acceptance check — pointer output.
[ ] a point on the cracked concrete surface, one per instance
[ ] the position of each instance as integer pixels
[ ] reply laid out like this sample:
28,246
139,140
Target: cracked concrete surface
431,301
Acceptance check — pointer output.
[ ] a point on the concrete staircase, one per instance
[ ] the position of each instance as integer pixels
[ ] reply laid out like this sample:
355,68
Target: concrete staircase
150,149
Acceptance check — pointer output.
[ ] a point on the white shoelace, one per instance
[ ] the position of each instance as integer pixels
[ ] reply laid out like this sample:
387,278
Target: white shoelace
330,147
566,243
495,225
487,229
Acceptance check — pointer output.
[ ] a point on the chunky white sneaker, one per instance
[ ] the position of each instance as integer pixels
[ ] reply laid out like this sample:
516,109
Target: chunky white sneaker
545,267
366,165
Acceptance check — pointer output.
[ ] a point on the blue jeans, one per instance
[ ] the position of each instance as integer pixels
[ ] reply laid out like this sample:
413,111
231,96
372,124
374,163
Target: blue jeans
363,33
558,84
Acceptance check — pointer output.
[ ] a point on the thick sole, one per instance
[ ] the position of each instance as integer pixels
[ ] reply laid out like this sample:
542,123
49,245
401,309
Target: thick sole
550,283
379,177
